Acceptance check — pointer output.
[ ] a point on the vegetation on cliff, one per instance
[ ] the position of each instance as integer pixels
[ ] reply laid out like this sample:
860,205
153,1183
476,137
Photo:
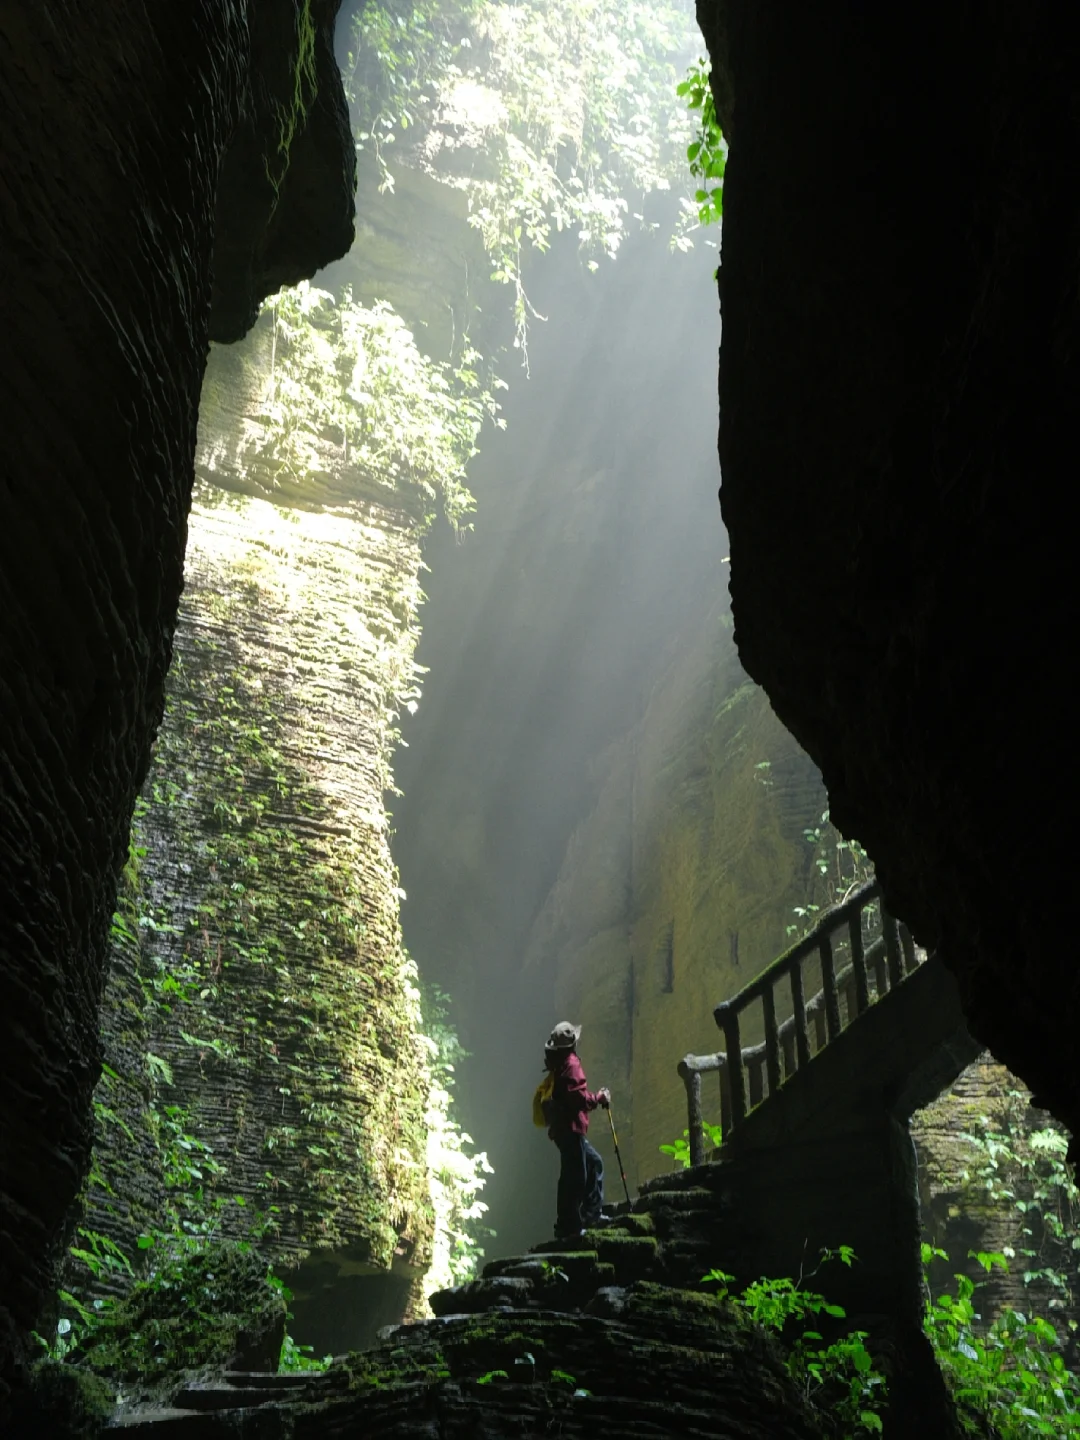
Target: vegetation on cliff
549,116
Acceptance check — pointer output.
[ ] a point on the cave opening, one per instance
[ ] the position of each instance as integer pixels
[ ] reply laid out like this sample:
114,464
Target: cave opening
456,735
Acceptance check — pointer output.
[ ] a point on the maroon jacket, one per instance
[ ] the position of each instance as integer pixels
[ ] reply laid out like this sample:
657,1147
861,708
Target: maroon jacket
568,1109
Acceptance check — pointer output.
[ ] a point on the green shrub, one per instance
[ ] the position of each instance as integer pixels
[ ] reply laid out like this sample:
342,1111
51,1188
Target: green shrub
1011,1373
839,1377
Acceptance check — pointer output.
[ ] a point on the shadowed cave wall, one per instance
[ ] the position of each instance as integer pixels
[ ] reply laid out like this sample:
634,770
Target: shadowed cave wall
123,256
898,401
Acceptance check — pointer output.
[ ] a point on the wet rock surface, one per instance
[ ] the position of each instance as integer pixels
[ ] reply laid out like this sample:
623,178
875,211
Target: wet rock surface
898,385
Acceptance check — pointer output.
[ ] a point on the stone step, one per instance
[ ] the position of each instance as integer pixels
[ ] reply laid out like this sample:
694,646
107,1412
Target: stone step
576,1264
183,1424
635,1224
500,1292
710,1176
214,1395
268,1379
564,1246
631,1257
693,1197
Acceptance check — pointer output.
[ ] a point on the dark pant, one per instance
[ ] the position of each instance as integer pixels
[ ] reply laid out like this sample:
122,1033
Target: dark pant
581,1185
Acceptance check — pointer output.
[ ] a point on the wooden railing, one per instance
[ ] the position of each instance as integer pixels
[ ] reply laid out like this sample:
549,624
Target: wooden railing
871,957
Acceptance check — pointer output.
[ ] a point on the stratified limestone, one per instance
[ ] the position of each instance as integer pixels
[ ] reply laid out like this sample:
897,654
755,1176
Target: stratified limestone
260,982
960,1191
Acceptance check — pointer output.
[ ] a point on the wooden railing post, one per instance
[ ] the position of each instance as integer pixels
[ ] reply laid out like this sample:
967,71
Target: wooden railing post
892,948
727,1017
845,989
877,964
755,1075
798,1004
828,984
858,963
907,944
725,1096
787,1047
772,1040
820,1037
692,1081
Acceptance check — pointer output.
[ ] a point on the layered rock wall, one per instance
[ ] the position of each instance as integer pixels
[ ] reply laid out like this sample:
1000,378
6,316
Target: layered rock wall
989,1193
679,887
269,957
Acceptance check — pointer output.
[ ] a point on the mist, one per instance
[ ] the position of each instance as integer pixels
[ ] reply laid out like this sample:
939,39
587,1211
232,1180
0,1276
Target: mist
597,549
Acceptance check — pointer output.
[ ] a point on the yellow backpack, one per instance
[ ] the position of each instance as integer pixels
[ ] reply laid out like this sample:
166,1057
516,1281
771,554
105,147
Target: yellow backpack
541,1095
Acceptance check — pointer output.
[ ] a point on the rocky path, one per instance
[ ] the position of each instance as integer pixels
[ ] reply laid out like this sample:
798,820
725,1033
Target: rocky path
602,1338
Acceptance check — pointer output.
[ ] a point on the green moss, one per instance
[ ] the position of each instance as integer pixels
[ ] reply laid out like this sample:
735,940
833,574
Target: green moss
197,1310
264,987
292,115
64,1401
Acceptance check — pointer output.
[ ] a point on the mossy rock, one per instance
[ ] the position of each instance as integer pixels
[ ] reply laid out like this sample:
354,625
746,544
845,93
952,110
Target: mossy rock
62,1400
633,1225
632,1257
208,1308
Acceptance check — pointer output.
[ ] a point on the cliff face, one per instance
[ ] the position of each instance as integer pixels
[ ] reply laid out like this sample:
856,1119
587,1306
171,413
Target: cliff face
898,404
265,908
678,887
116,124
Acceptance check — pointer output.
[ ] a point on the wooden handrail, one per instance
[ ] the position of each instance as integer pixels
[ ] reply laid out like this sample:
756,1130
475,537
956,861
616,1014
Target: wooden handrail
786,1048
829,921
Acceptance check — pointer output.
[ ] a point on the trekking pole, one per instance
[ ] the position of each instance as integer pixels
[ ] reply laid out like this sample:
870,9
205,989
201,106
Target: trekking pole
618,1157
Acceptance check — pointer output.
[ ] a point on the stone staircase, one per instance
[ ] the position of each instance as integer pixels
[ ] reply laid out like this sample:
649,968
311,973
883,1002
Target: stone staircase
608,1337
611,1335
234,1392
677,1231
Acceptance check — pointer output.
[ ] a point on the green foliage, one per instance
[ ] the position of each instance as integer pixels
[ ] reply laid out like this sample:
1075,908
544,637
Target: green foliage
1026,1170
837,1377
679,1150
1010,1373
456,1175
293,113
268,971
348,388
841,866
707,152
300,1358
187,1311
571,104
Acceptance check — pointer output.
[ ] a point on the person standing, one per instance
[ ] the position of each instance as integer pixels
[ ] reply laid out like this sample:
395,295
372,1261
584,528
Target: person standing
581,1174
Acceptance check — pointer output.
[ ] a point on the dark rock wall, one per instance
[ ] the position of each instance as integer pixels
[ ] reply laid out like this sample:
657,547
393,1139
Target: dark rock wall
115,121
898,387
